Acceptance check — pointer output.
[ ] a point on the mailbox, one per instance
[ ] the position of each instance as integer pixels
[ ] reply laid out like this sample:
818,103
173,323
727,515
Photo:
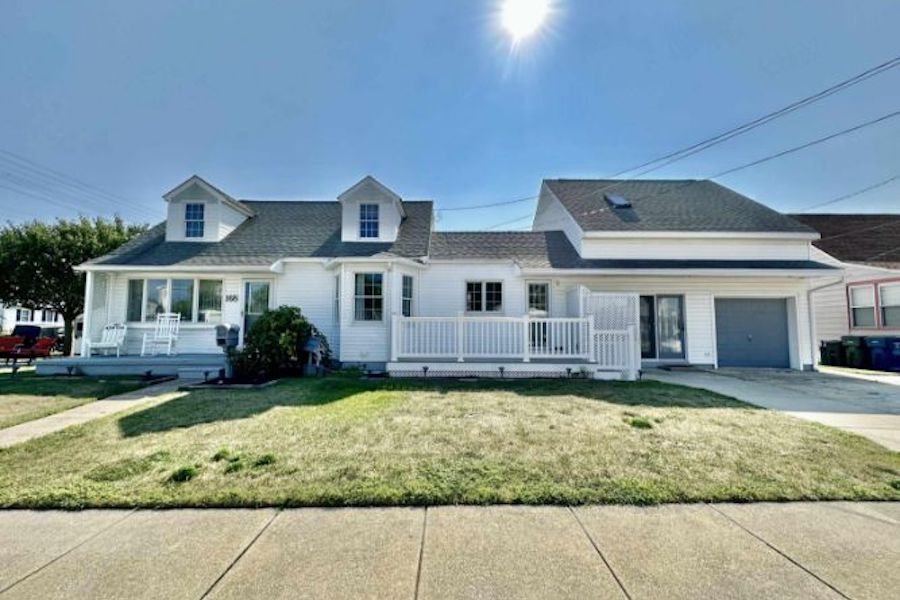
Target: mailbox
227,336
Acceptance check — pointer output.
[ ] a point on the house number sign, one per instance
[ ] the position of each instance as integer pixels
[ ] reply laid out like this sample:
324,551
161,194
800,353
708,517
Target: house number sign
231,297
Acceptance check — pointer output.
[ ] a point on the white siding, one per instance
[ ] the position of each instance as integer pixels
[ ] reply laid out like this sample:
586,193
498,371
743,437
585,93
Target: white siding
551,215
310,287
389,217
831,310
219,219
364,341
700,294
680,248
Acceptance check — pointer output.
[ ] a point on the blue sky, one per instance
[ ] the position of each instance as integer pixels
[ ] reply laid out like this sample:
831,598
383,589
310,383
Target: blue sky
298,100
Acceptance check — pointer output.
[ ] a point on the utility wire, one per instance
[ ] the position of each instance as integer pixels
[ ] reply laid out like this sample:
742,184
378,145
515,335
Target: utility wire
504,223
478,206
851,194
677,155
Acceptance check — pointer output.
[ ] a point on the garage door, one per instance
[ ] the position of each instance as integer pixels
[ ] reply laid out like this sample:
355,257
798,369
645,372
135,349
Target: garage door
752,332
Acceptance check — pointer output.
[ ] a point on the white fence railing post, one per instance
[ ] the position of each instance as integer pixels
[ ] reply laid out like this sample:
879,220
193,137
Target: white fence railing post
526,340
460,337
592,338
395,336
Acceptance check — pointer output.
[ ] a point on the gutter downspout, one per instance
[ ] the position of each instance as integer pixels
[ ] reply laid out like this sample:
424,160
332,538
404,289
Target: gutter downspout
811,315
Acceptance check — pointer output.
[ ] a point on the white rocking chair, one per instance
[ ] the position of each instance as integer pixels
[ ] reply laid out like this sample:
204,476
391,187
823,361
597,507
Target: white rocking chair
165,335
113,338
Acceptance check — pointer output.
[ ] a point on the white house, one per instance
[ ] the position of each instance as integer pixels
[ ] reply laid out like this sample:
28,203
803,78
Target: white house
613,275
10,316
865,300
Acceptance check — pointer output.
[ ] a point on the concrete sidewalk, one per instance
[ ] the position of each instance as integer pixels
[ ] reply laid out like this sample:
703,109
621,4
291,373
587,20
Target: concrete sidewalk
167,390
802,550
866,407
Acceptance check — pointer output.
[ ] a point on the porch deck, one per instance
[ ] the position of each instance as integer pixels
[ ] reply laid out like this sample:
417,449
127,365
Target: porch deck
181,365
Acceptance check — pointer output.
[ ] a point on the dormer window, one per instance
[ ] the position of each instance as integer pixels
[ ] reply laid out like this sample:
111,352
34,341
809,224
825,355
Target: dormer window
193,220
368,220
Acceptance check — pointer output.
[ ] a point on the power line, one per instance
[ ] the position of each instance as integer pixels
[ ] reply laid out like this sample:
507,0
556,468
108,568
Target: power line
765,159
853,194
504,223
744,128
492,204
34,173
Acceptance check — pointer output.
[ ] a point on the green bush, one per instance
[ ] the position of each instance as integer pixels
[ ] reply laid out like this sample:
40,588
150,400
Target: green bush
184,474
274,345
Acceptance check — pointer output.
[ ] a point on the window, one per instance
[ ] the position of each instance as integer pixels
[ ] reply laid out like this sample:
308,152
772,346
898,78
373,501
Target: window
135,299
23,315
209,301
406,297
484,296
196,300
369,300
538,298
156,298
862,306
183,298
48,315
368,220
890,305
193,220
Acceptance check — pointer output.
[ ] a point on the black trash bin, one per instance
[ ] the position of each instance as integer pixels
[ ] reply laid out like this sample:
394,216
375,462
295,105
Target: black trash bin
879,351
832,353
855,351
893,354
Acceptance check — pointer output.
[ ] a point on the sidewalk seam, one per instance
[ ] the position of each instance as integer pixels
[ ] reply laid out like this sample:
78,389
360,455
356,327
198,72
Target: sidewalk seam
783,554
421,553
599,552
67,552
241,554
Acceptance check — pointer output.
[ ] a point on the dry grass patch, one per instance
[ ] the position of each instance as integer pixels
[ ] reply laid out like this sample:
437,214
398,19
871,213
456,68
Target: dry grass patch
343,441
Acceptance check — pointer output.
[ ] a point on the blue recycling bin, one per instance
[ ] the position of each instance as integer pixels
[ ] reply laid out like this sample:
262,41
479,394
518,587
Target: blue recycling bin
884,353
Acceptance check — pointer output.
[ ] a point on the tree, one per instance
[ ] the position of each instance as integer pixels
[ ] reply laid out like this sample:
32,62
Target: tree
37,260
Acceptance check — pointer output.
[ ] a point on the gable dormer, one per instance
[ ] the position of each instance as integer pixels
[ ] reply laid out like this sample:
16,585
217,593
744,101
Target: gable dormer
200,212
370,212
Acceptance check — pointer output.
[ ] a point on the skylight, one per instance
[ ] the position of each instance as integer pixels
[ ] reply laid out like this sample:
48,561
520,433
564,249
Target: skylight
617,201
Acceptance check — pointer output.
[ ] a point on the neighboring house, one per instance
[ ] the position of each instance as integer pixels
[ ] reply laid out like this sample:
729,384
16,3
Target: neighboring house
614,274
866,299
10,316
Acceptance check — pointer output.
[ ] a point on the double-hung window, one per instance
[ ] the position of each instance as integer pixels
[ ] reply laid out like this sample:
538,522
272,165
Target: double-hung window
193,220
196,300
862,306
406,297
368,220
369,297
889,296
23,315
484,296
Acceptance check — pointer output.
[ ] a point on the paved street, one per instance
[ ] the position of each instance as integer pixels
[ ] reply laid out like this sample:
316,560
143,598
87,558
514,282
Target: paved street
868,405
799,550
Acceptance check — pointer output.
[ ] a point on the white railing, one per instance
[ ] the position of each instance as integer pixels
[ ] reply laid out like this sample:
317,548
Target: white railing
512,338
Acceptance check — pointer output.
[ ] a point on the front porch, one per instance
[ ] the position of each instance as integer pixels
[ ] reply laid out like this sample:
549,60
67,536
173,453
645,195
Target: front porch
527,346
188,366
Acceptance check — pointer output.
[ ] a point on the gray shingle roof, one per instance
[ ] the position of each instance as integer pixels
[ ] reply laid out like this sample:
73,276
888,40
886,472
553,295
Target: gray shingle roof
552,249
667,205
279,230
872,239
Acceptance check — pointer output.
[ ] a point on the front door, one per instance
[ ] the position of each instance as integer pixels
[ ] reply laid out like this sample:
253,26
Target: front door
538,306
662,327
256,302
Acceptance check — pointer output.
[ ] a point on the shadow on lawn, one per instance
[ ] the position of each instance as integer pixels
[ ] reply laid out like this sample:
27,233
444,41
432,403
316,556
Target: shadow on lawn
209,406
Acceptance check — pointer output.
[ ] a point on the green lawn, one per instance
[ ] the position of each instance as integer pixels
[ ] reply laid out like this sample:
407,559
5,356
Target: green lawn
343,441
25,396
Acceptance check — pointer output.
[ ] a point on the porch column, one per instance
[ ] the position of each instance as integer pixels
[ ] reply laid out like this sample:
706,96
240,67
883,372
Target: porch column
88,306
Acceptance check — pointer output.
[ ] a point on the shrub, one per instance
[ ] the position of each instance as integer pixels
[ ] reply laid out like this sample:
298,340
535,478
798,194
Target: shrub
639,423
184,474
274,345
221,454
265,459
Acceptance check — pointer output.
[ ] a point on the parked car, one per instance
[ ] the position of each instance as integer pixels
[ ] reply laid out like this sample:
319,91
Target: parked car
27,342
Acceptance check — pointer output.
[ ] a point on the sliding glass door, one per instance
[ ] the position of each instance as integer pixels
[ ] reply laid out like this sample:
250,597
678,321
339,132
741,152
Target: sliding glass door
662,327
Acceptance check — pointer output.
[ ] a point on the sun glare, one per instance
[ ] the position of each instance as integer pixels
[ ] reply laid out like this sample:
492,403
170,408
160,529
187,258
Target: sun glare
522,18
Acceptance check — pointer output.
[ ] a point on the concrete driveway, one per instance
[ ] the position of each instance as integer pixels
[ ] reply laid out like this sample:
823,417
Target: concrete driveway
868,407
829,550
